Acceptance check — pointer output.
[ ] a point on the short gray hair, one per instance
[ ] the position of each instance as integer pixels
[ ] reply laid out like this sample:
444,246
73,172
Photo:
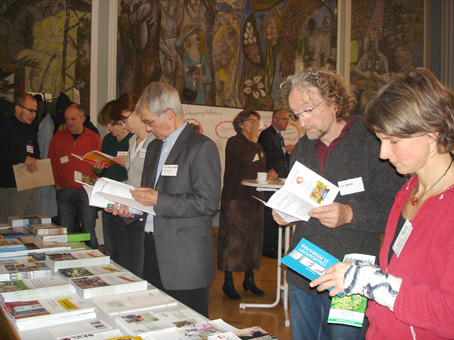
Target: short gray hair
158,97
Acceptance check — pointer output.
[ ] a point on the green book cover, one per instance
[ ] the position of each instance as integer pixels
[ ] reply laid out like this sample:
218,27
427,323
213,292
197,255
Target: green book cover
78,237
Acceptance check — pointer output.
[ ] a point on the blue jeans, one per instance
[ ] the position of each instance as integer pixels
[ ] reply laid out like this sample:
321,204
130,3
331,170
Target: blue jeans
309,319
71,200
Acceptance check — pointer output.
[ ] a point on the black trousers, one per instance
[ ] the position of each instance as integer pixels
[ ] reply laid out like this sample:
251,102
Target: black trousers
197,299
270,228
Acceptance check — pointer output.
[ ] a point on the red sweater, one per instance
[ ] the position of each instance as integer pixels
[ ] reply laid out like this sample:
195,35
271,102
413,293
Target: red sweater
425,303
63,145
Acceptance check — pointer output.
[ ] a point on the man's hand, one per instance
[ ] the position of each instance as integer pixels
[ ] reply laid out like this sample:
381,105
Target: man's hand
30,162
333,215
279,220
120,160
145,196
119,210
57,186
289,148
334,277
272,175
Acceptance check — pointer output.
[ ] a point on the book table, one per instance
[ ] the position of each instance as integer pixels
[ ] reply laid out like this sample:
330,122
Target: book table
43,333
274,186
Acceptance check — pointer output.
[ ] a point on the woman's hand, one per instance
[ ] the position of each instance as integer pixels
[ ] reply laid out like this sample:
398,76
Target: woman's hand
272,175
97,166
254,136
334,277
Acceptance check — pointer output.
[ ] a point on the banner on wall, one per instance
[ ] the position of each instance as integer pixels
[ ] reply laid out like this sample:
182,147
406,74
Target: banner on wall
217,122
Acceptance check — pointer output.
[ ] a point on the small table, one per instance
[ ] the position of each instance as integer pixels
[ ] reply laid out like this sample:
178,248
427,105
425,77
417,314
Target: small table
273,186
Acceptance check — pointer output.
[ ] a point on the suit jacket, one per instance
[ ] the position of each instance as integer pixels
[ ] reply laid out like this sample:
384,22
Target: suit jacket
275,157
186,202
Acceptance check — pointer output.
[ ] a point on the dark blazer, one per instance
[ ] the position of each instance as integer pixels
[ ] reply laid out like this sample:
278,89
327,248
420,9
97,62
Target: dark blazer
275,157
183,222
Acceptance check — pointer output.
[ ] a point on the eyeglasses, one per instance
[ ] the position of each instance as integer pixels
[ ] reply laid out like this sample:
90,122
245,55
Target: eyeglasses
122,122
151,123
31,110
305,113
251,120
281,118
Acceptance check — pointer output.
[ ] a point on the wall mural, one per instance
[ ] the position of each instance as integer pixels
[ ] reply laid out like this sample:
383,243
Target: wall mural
387,36
45,48
223,53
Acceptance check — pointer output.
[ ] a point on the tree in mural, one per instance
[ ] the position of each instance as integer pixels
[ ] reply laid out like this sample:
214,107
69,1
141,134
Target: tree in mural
45,41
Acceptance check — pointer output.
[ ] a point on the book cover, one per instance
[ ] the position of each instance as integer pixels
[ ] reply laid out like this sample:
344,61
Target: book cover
349,310
97,157
309,260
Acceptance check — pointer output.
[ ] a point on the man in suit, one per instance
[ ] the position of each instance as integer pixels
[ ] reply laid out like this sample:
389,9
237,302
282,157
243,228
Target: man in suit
182,181
277,158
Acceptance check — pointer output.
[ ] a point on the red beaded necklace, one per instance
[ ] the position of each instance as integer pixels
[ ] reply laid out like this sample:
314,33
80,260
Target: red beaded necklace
414,199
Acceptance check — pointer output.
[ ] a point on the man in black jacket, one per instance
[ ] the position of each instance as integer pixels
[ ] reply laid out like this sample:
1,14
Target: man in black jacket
277,158
19,144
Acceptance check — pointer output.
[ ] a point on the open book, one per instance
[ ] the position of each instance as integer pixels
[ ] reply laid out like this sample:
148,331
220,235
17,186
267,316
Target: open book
106,192
94,157
303,190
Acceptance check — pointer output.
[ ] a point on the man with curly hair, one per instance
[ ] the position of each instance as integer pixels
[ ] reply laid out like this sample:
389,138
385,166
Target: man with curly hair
339,148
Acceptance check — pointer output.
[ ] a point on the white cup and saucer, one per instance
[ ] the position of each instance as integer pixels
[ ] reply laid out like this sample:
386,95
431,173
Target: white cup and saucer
262,177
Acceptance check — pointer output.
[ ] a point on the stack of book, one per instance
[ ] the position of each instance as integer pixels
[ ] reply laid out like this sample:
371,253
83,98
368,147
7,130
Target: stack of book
23,268
71,273
47,229
81,258
32,289
35,245
33,314
134,302
16,221
9,232
108,284
147,323
12,247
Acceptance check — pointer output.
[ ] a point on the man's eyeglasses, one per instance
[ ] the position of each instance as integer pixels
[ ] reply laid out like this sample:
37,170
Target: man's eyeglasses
151,123
306,113
122,122
281,118
31,110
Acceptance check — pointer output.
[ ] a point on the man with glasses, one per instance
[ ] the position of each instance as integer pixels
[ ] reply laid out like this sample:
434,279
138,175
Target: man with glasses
182,181
18,144
71,196
339,148
277,158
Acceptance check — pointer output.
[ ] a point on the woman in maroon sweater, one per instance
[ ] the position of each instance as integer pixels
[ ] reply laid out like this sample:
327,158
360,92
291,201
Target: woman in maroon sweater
412,292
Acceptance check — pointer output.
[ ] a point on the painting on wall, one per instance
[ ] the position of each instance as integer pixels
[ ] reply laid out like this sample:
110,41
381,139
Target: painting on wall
45,48
223,52
387,36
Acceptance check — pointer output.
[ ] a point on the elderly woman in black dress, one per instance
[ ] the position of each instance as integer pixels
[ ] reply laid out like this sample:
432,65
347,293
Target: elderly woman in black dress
240,239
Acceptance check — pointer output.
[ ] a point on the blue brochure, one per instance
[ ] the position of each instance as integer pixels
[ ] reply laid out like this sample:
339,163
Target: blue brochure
309,260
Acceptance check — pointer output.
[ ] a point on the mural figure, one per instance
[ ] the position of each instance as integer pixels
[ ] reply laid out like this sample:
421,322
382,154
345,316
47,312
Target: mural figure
167,51
225,56
191,46
312,45
373,64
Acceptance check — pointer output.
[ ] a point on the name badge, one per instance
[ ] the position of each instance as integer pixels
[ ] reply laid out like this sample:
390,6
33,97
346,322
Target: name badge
351,186
142,153
402,238
122,153
256,158
64,160
169,170
29,149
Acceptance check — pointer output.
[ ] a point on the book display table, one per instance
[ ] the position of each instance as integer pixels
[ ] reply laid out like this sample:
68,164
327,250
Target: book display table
281,286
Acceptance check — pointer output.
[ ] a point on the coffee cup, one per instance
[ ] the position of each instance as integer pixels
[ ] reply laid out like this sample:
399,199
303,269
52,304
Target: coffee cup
261,177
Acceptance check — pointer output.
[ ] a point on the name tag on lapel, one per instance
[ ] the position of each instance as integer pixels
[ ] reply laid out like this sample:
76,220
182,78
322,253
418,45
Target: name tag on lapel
169,170
351,186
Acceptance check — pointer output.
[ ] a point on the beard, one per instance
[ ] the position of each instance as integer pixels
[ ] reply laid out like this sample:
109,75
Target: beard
316,133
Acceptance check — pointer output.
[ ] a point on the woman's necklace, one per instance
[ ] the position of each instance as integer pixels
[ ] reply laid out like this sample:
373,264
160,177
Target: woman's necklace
414,200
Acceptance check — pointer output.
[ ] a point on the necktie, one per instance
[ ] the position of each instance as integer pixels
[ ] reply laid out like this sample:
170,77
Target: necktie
281,139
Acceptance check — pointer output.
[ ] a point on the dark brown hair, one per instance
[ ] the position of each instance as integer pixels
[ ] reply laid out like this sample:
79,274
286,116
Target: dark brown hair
125,104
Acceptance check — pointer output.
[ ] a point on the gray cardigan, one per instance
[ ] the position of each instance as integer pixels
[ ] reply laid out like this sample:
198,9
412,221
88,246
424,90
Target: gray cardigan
356,155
